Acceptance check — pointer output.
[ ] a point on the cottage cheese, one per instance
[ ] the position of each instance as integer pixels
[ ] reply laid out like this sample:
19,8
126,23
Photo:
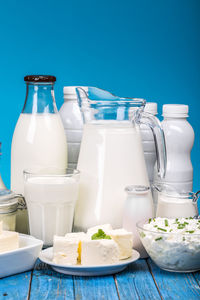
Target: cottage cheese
174,244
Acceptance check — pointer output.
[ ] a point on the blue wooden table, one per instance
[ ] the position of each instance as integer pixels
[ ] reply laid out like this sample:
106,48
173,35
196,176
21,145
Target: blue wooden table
141,280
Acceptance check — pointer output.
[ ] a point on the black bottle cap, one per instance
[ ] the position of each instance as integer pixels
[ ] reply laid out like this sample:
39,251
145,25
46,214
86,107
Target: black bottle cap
40,78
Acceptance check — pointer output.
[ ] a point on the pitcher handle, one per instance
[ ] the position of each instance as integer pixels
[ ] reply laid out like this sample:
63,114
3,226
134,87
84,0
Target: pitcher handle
159,139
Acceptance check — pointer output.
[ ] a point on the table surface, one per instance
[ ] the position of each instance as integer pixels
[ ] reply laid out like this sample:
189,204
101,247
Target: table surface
141,280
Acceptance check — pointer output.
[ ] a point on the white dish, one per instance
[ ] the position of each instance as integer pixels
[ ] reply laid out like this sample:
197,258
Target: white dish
47,255
22,259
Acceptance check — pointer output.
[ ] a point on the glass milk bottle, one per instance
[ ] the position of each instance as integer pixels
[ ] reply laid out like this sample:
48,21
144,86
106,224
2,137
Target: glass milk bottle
138,206
39,138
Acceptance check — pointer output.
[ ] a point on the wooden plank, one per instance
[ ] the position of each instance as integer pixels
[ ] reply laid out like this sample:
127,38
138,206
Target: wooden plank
136,282
197,277
15,287
95,288
175,285
47,284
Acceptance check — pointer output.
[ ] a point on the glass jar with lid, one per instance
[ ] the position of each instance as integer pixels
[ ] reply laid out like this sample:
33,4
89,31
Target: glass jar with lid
9,203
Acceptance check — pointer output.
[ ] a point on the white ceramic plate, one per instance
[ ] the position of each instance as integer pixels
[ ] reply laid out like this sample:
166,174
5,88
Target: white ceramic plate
22,259
47,255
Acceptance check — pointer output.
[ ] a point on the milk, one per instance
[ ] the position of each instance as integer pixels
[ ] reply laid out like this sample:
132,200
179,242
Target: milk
38,141
175,207
138,206
111,157
50,202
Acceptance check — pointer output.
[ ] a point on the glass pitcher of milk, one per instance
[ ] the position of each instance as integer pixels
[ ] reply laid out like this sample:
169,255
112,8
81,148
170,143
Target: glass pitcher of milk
111,155
39,138
173,204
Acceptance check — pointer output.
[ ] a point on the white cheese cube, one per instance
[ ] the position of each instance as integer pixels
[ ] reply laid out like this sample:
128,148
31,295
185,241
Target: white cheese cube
104,227
99,252
9,241
124,240
1,227
65,250
78,236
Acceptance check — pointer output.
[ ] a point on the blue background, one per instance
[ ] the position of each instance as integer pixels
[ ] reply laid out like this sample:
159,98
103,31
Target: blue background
136,48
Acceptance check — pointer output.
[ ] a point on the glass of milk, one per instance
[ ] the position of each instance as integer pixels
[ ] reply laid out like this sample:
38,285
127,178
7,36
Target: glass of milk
50,195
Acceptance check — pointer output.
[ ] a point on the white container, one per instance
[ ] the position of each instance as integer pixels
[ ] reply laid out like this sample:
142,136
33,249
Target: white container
111,156
179,137
39,138
138,206
50,200
148,142
22,259
73,123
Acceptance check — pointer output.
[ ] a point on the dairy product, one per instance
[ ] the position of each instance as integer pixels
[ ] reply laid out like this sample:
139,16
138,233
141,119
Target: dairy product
78,236
9,241
124,240
38,141
175,207
174,244
1,227
65,250
99,252
138,206
179,138
50,201
73,123
111,157
105,227
148,142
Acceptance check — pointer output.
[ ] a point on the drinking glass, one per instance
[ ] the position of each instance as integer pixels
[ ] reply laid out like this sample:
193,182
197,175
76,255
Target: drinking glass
50,195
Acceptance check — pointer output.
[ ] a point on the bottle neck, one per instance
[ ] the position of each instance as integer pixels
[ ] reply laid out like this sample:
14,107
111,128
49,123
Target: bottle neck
184,118
39,98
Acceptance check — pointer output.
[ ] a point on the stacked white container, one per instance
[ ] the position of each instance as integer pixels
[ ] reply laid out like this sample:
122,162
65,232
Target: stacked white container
148,142
73,123
179,137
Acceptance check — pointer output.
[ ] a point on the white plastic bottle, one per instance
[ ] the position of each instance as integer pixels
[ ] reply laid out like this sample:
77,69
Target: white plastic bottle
179,137
73,123
148,142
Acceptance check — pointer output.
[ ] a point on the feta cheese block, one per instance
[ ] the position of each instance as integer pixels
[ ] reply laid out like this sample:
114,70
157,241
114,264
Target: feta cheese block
124,240
104,227
99,252
65,250
79,236
9,241
1,227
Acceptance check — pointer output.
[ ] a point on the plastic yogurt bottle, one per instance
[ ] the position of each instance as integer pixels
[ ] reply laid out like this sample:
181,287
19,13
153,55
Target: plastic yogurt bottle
73,123
179,137
148,141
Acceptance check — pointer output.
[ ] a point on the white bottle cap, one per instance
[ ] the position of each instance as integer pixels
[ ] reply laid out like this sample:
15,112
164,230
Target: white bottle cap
175,110
70,91
151,107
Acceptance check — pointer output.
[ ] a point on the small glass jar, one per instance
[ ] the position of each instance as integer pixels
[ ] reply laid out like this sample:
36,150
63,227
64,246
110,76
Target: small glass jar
8,209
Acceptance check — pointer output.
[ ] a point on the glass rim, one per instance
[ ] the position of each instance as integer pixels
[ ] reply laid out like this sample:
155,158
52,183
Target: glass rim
136,189
113,102
35,172
141,223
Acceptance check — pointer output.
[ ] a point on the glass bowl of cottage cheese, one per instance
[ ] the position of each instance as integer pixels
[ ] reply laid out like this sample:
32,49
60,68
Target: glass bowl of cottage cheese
173,244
